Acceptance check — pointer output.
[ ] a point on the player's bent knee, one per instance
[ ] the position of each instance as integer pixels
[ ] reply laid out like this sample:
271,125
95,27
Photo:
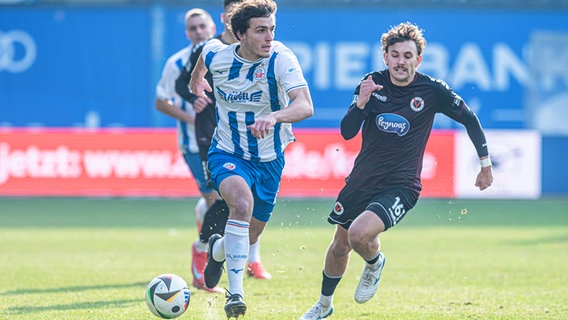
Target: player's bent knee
339,249
362,240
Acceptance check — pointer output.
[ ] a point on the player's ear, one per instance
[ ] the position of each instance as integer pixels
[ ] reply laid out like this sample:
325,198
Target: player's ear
419,60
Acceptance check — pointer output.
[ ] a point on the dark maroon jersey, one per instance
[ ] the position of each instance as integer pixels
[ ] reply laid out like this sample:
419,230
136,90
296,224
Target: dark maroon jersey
397,122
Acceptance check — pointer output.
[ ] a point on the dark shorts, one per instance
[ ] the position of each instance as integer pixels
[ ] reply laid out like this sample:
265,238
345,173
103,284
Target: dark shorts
389,205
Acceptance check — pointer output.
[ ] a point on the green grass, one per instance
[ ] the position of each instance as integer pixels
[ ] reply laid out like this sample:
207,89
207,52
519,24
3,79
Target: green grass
74,258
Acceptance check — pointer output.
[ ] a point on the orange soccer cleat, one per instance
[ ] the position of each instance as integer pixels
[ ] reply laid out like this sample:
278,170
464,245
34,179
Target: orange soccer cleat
256,270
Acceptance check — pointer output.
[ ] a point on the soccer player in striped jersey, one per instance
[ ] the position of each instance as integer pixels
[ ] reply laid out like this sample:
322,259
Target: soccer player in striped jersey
198,27
260,91
396,109
217,213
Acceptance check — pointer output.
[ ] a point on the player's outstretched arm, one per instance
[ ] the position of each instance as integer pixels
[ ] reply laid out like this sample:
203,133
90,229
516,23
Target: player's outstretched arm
473,127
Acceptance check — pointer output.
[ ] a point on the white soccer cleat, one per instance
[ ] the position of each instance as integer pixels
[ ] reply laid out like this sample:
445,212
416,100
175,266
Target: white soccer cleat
318,311
369,281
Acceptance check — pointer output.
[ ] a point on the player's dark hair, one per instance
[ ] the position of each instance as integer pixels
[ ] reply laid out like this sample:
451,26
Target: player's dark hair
244,11
404,32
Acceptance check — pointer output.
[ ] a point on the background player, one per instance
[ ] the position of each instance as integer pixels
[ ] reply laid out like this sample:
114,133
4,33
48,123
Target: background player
198,27
396,107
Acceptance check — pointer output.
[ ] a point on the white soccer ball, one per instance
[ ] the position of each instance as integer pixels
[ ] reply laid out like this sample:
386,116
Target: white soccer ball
167,296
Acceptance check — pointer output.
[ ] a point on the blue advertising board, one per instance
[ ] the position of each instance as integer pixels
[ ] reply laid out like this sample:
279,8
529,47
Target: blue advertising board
98,66
554,159
83,60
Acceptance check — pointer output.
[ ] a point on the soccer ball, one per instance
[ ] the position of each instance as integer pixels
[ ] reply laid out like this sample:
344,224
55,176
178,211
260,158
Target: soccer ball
167,296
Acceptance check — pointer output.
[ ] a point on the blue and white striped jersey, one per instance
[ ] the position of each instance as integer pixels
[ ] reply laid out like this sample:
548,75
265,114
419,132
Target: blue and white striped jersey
247,90
165,90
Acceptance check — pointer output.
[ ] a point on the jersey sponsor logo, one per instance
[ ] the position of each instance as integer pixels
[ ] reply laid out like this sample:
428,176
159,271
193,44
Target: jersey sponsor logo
417,104
229,166
393,123
379,97
240,97
338,208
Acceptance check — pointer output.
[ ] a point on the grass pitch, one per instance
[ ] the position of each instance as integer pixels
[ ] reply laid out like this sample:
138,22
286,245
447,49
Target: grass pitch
75,258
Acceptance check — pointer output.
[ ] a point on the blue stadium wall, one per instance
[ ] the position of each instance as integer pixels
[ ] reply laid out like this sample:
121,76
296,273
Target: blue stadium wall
82,66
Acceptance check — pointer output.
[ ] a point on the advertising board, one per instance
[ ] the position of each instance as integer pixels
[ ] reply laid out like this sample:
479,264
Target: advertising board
132,162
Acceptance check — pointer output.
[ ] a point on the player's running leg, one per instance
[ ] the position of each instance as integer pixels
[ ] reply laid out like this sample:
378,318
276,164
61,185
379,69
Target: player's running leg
200,210
214,268
363,238
318,311
214,220
336,260
199,249
255,267
236,252
235,306
370,278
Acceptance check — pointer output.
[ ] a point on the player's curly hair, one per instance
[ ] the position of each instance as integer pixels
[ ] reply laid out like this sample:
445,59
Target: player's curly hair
403,32
242,12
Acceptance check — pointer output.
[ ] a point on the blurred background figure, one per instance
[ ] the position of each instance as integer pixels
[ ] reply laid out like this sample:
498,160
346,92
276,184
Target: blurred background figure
198,27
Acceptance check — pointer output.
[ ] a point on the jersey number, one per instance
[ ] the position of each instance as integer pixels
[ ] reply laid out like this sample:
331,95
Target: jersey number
396,210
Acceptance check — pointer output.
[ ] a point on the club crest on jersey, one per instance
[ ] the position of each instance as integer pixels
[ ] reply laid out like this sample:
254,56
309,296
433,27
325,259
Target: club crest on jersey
417,104
229,166
393,123
338,208
259,72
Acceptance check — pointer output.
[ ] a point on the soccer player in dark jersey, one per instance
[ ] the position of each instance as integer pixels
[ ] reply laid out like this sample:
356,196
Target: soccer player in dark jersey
217,213
396,109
